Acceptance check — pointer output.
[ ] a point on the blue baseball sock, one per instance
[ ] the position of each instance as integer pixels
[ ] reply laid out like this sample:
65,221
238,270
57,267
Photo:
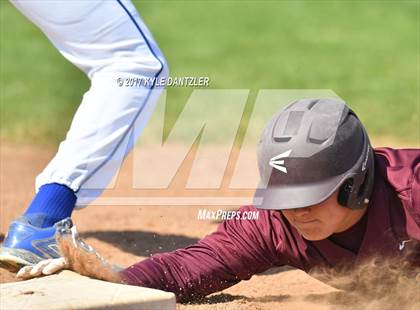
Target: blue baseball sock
52,203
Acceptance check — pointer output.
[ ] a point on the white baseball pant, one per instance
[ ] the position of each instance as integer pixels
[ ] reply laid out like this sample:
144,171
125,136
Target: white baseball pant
110,43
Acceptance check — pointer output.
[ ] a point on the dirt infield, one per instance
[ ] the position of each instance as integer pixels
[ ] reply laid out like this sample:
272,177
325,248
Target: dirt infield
127,234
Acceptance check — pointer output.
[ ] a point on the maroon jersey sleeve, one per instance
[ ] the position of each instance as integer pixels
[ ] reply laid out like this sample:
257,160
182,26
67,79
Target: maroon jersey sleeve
401,168
235,252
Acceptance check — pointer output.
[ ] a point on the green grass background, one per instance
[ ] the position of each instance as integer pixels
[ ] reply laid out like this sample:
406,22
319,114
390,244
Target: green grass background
366,51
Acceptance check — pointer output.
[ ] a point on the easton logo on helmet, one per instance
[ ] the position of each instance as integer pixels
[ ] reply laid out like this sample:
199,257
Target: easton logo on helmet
277,163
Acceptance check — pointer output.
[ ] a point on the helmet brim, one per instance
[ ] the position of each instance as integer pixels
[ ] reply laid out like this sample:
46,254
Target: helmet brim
284,197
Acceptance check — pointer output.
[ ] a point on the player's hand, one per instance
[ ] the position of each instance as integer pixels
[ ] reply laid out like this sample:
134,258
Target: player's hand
76,255
44,267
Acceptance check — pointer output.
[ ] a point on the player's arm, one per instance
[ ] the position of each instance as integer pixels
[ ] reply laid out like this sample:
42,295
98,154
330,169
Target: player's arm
235,252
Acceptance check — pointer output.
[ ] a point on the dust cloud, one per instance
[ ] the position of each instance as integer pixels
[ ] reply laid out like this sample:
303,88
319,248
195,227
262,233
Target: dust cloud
374,283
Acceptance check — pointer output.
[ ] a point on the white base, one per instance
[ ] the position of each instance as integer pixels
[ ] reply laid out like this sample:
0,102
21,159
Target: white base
69,290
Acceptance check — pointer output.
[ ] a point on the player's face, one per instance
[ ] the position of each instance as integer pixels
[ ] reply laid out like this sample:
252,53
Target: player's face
322,220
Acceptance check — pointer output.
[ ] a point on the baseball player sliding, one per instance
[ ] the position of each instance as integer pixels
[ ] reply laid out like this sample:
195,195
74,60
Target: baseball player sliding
109,42
339,204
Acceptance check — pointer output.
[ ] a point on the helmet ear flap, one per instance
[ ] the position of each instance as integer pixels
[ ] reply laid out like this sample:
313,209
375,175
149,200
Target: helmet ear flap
354,193
363,192
344,192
